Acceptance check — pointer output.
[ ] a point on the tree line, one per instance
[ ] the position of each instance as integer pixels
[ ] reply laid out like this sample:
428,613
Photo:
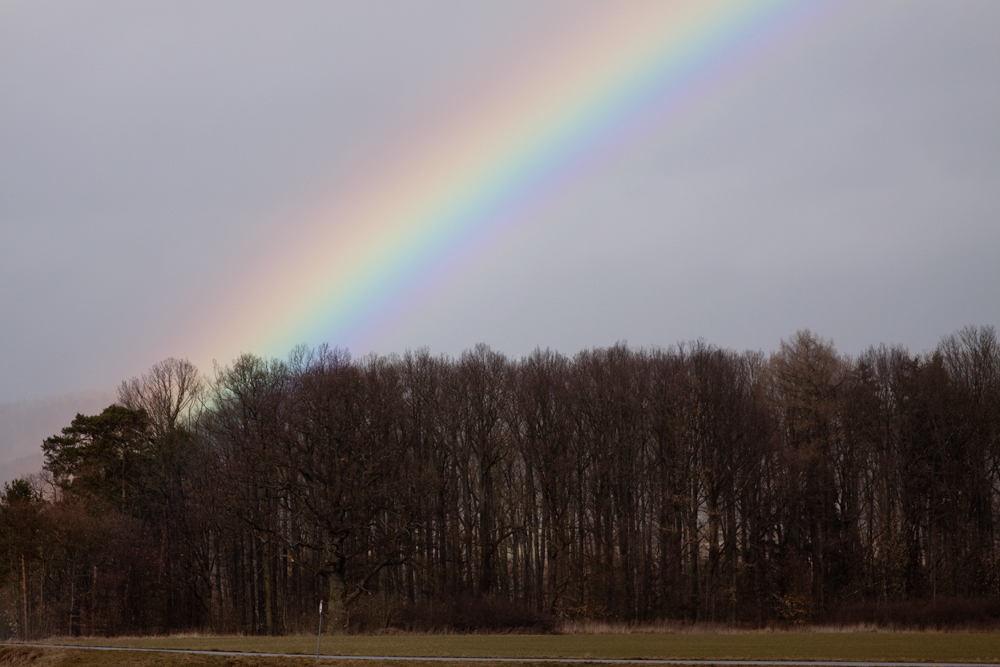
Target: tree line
692,483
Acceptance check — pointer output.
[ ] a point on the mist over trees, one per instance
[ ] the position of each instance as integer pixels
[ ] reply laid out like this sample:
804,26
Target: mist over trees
692,483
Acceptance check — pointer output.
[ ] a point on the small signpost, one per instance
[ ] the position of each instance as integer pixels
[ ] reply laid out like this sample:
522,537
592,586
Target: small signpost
319,635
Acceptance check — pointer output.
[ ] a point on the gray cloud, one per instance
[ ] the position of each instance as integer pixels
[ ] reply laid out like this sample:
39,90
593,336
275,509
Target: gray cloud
147,150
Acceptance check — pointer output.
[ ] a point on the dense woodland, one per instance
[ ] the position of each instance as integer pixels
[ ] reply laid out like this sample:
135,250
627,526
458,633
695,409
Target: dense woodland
693,483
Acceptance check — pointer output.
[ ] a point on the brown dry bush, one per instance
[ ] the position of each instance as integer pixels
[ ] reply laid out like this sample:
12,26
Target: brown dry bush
465,614
24,656
30,656
939,614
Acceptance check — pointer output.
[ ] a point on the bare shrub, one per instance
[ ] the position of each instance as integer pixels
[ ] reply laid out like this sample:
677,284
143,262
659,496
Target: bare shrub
939,614
466,613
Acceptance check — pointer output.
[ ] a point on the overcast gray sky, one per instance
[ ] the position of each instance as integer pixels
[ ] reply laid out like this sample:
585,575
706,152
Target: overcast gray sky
847,182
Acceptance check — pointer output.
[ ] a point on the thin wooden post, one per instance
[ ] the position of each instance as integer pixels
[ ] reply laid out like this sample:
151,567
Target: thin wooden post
319,634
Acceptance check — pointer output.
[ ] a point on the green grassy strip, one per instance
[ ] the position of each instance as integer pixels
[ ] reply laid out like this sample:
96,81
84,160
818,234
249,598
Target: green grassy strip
901,646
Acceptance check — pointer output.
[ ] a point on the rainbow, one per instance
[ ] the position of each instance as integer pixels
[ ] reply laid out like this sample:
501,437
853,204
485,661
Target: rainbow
357,258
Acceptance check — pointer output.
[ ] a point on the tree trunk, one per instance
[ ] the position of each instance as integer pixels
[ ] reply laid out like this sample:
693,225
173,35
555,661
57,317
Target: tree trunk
334,569
268,587
24,596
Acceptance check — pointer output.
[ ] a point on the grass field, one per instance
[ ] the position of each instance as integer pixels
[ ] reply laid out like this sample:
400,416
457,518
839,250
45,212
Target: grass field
878,646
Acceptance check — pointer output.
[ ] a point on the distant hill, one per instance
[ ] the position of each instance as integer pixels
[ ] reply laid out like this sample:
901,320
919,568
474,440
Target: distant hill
25,424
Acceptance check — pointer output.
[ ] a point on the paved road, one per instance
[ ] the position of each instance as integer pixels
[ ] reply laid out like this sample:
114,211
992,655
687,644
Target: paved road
592,661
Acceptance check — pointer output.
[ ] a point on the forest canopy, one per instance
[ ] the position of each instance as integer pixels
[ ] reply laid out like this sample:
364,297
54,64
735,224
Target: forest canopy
694,484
